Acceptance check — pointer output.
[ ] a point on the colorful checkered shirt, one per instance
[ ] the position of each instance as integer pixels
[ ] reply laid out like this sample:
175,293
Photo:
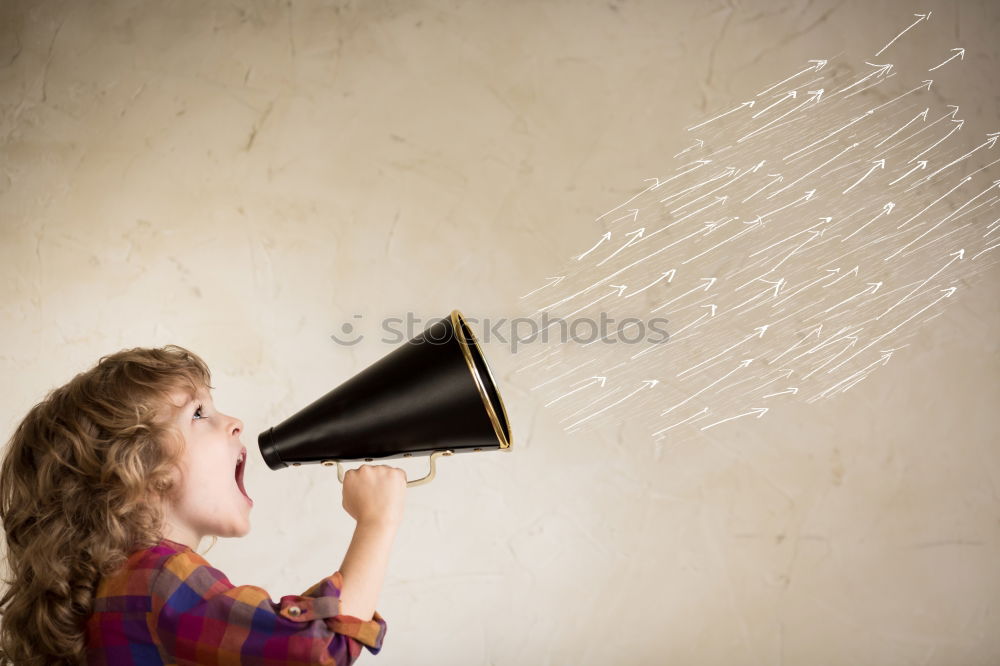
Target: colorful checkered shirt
167,605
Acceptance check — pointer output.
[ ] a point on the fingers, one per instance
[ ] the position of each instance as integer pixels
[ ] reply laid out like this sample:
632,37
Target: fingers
376,469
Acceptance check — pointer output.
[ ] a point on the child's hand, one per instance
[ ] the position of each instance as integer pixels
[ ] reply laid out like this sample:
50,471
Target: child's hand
375,494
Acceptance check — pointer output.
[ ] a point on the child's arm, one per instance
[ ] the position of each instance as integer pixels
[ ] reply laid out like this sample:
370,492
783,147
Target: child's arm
373,496
364,568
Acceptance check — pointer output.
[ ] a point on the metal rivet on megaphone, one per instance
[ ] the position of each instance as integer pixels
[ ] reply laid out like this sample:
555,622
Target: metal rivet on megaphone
433,396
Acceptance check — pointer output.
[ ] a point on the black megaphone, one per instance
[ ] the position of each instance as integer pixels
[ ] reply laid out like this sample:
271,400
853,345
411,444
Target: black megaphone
434,396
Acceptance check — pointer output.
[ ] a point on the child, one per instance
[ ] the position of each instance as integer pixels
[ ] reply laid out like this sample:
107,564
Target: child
106,489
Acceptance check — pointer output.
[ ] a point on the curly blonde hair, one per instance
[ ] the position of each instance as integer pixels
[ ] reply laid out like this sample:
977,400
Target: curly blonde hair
81,488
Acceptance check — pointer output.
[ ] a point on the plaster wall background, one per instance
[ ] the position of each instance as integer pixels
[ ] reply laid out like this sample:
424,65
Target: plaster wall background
243,178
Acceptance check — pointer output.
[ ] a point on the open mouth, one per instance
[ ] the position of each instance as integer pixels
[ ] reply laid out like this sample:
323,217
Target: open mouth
240,468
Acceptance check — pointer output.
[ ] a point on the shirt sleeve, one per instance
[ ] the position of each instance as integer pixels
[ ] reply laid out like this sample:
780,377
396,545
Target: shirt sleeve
202,618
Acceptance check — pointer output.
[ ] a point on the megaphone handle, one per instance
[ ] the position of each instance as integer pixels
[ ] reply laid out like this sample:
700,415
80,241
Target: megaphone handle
409,484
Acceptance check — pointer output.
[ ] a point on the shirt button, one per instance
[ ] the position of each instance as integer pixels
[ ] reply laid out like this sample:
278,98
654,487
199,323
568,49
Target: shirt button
294,611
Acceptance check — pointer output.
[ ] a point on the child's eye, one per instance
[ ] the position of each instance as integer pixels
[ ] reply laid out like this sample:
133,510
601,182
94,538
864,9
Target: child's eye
198,411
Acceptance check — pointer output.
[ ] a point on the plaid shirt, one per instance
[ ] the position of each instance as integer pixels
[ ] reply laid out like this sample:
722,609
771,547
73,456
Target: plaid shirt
167,605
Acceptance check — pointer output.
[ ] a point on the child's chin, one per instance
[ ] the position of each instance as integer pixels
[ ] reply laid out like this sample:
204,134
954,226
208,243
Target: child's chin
239,529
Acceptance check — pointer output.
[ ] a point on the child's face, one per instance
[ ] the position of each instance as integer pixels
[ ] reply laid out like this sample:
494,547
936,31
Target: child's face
209,498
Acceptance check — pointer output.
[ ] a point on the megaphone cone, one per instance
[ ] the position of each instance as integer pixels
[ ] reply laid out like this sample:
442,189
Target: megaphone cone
434,396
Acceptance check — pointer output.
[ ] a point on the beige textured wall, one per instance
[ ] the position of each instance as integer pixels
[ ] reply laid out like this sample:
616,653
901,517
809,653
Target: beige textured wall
242,178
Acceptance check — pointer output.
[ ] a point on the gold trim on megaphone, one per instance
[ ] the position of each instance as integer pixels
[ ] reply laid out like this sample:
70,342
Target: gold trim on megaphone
459,326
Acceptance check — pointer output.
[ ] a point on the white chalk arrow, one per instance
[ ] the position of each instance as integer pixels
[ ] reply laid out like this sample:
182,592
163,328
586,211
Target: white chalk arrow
778,284
872,288
779,178
754,225
806,197
814,98
698,143
925,85
813,68
853,271
693,417
947,116
669,275
784,374
619,288
886,209
928,206
853,341
632,212
775,244
996,183
744,105
989,143
619,271
829,271
791,94
886,355
713,307
739,175
590,382
922,114
984,251
947,293
922,164
960,55
791,389
881,70
712,225
956,256
811,172
717,200
605,237
557,377
706,287
646,384
880,164
957,127
742,364
655,185
816,331
635,236
728,171
920,17
755,411
845,330
555,280
758,333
